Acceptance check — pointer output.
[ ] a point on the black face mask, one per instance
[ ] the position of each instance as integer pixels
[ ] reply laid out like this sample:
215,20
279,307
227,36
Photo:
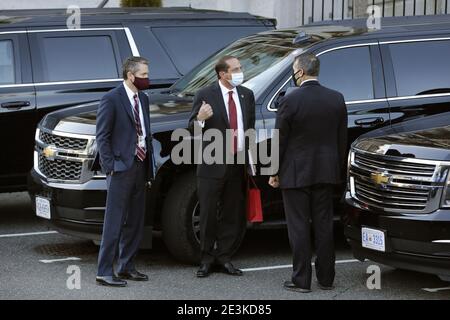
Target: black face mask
294,78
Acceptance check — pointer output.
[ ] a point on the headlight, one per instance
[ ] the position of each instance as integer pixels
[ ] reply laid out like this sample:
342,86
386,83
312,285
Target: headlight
92,149
350,180
445,203
351,159
37,134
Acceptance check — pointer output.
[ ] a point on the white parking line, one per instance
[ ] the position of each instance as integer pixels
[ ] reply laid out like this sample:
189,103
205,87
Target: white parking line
60,260
435,289
26,234
268,268
286,266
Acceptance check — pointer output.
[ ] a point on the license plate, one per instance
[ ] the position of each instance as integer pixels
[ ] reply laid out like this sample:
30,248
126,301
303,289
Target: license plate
43,208
373,239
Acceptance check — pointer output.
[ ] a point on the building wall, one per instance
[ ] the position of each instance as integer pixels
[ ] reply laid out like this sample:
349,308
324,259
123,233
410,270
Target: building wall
50,4
288,13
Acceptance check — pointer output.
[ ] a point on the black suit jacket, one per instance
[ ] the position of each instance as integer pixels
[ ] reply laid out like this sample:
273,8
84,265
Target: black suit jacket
116,134
312,124
213,95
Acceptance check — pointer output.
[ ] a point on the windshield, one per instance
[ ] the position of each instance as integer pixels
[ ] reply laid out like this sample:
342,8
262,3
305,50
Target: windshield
260,62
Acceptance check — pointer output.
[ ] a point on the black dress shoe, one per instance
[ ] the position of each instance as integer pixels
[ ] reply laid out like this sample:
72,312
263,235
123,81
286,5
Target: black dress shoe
228,268
110,281
204,270
289,285
325,287
133,276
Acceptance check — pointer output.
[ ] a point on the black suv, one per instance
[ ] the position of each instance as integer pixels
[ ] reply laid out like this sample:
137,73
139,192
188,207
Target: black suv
386,76
399,196
44,66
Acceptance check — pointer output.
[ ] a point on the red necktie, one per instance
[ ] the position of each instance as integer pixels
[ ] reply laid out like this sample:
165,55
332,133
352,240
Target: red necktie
140,152
232,113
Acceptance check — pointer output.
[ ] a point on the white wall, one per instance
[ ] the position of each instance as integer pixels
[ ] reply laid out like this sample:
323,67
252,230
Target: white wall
48,4
287,12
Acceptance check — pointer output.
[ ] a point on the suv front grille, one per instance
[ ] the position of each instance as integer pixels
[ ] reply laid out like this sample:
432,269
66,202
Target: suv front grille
60,169
393,184
64,159
391,197
63,142
376,163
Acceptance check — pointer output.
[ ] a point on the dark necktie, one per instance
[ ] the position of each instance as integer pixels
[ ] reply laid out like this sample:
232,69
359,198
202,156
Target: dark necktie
232,113
140,152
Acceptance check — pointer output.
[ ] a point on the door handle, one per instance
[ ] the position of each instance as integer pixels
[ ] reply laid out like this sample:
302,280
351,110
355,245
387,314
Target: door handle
369,122
16,104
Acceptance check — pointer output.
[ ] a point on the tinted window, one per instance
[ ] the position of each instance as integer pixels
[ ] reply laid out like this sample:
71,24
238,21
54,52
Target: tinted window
161,67
349,72
421,67
6,62
78,58
191,45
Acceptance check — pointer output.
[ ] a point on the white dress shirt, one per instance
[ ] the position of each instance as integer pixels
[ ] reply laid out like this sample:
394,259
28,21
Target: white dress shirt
240,121
130,95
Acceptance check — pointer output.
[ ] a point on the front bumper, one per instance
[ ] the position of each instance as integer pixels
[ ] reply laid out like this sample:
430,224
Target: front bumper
76,210
79,209
418,242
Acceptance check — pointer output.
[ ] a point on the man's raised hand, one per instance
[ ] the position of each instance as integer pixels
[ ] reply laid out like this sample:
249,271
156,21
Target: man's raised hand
205,112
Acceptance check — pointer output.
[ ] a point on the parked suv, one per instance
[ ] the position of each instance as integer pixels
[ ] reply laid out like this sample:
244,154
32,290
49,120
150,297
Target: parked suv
399,196
44,66
386,76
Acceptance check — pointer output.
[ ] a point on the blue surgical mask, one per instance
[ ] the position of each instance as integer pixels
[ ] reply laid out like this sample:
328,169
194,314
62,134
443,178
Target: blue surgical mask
236,79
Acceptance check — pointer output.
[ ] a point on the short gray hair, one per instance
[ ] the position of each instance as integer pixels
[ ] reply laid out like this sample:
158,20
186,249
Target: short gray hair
131,64
309,63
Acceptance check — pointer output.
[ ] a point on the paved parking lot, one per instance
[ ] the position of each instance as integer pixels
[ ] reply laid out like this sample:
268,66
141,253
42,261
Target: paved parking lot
35,264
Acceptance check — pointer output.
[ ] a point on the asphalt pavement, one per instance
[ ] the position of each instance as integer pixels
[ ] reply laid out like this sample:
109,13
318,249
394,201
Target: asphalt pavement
38,263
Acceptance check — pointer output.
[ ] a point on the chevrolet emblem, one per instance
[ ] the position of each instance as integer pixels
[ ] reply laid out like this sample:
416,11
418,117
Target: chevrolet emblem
380,178
49,153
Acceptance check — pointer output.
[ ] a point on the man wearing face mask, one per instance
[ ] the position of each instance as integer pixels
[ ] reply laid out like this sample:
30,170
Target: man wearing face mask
312,124
229,107
125,148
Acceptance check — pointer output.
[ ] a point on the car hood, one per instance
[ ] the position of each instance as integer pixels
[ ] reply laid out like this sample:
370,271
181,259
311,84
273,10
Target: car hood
167,112
431,144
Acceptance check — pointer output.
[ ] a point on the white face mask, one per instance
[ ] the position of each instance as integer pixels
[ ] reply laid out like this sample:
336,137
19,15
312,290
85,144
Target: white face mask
236,79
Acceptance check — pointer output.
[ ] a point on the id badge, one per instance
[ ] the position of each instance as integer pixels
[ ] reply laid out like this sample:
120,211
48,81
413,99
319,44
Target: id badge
141,142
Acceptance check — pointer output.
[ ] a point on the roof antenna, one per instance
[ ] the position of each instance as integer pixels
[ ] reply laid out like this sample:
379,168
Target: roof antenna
301,37
103,4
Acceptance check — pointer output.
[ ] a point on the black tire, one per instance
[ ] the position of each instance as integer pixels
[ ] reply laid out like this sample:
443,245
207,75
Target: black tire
181,220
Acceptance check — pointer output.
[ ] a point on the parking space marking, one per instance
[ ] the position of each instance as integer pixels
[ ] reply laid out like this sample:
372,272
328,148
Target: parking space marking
268,268
60,260
12,235
433,290
286,266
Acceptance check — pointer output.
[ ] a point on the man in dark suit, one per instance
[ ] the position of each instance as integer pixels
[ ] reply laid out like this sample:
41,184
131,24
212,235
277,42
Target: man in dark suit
230,108
312,124
125,148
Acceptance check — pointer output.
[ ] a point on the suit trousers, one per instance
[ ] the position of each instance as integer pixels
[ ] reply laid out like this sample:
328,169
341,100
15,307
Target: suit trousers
124,219
303,206
222,203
